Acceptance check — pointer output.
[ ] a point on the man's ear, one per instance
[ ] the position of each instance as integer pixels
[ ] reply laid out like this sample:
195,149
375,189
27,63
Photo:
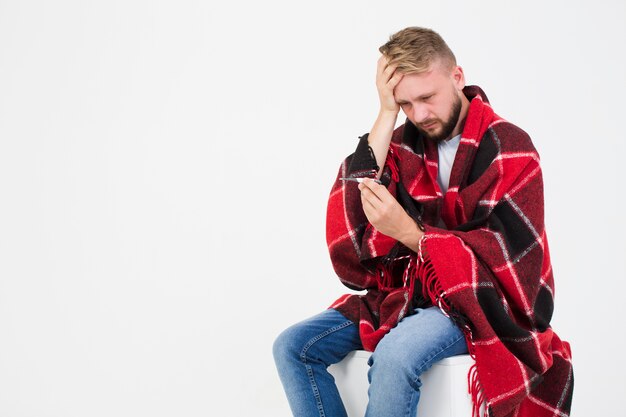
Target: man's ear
459,77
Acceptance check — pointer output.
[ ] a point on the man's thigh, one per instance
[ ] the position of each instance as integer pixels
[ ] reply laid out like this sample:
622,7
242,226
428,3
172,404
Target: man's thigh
421,339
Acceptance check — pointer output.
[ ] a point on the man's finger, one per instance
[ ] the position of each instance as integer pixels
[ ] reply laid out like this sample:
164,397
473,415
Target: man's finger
382,63
382,193
393,81
381,66
368,208
388,73
368,184
379,190
367,195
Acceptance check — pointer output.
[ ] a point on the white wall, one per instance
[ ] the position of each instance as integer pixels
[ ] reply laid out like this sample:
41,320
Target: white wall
164,168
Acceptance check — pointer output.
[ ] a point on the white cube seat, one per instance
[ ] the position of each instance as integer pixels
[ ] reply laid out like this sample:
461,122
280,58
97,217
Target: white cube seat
444,390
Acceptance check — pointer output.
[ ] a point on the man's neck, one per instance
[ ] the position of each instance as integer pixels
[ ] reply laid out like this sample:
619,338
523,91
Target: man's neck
458,129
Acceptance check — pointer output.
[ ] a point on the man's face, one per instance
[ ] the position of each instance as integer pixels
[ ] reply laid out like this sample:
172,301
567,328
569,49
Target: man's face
432,101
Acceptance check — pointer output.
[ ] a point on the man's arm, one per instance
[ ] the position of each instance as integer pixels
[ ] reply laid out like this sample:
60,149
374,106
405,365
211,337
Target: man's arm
380,136
380,207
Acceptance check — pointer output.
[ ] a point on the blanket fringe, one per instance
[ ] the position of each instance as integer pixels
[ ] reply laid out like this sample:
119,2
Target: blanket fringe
432,288
475,391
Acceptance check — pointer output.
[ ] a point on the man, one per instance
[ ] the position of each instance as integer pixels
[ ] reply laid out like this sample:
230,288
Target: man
447,238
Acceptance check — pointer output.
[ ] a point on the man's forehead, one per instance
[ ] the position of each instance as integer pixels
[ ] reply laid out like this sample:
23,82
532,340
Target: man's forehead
414,85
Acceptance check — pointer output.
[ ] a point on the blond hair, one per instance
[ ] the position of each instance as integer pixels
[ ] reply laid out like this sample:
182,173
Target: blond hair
413,50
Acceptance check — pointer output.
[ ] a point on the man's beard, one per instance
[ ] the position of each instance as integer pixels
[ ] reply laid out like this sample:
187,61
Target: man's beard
447,127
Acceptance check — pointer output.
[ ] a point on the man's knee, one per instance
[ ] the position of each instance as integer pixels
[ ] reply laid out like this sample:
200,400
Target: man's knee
286,347
300,342
393,360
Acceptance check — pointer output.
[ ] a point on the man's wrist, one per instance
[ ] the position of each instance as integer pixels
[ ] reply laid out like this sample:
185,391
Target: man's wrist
387,114
412,236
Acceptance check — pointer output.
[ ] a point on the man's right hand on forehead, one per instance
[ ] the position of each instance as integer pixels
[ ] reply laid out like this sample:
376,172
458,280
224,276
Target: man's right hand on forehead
386,80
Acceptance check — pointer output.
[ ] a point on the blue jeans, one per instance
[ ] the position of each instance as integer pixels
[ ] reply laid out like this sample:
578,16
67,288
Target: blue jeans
304,351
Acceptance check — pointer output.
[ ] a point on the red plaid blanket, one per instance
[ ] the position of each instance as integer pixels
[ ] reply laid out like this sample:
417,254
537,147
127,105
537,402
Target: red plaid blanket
484,259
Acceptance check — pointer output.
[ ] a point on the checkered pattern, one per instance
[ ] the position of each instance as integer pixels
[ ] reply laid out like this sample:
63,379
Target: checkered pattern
487,266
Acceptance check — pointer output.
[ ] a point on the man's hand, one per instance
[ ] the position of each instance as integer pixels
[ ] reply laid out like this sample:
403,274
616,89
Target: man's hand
387,215
386,80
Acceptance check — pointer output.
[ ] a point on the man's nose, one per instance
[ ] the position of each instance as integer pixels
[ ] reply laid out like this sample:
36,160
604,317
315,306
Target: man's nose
420,113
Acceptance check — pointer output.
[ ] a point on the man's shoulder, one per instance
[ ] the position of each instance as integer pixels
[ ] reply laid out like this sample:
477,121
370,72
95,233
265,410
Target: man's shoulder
510,137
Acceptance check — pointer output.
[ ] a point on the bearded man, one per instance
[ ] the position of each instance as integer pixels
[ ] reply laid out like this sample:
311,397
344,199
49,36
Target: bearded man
440,222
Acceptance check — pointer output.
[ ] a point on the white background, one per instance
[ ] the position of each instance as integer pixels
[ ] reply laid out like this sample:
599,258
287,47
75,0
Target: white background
164,169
